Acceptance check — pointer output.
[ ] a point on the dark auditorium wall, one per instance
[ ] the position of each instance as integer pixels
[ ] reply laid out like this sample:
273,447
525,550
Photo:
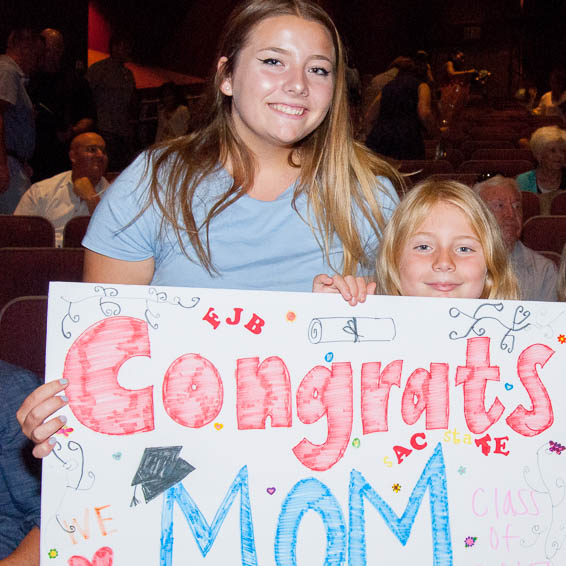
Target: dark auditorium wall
181,34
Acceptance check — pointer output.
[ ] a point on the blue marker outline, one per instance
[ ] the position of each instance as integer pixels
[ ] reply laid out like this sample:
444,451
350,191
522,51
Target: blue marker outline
433,477
205,534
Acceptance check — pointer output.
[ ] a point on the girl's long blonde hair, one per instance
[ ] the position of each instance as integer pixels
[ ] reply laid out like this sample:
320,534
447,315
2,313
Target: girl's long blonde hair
337,174
500,282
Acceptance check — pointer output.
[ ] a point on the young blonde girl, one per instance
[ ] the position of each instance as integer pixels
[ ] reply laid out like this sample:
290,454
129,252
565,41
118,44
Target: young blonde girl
500,281
441,241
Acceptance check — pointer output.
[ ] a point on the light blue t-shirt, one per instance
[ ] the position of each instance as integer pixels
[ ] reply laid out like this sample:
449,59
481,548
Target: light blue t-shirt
254,244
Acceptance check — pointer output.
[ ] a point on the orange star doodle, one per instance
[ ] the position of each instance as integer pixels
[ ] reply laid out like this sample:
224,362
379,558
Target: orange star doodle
396,487
561,338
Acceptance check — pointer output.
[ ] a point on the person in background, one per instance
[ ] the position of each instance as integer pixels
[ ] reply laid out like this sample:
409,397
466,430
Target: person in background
63,106
114,91
17,128
548,145
536,274
71,193
173,115
405,112
20,474
553,102
372,95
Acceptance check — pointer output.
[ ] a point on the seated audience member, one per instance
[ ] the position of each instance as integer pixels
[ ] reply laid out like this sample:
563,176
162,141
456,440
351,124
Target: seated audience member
548,145
173,115
553,102
535,273
72,193
20,473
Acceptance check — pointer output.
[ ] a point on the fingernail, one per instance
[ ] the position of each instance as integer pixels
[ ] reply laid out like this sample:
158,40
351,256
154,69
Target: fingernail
63,419
63,381
64,398
52,440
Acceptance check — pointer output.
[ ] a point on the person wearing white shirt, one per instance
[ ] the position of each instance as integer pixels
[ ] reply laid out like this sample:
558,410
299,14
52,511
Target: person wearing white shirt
71,193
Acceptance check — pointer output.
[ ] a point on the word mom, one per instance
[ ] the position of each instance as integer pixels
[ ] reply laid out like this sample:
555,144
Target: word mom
193,391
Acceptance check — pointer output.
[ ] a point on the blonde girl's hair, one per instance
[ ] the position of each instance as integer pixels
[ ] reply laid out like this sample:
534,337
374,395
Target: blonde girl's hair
561,283
500,282
337,174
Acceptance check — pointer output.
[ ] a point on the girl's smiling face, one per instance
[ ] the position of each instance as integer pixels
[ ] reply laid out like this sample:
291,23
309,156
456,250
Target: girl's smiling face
443,257
283,82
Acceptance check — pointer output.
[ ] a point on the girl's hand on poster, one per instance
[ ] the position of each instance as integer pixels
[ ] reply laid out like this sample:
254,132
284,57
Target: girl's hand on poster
36,408
353,289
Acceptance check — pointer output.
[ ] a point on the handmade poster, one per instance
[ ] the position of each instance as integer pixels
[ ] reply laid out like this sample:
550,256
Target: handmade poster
233,428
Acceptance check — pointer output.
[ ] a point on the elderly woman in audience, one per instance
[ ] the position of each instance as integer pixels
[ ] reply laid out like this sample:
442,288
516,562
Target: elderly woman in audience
548,145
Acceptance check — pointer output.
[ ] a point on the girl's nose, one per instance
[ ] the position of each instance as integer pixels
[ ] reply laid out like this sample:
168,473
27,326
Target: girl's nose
443,261
296,83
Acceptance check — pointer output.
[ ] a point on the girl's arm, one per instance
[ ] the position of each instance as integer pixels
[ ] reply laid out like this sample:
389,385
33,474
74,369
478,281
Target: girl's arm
99,268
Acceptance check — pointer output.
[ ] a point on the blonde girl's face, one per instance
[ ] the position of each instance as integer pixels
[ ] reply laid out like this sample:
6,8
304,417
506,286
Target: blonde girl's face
443,257
283,82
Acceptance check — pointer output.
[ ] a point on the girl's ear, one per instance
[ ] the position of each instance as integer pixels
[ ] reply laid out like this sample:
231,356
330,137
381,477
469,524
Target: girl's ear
226,84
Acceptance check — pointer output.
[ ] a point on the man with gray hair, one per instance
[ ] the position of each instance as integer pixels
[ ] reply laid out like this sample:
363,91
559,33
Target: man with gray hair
536,274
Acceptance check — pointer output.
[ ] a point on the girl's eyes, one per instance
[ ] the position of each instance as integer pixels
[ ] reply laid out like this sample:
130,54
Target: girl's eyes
270,61
422,248
320,71
465,249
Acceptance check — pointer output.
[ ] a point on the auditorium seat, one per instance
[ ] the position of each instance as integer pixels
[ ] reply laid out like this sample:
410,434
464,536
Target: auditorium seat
545,233
419,169
74,231
25,231
23,327
508,168
505,154
558,203
28,271
531,205
469,146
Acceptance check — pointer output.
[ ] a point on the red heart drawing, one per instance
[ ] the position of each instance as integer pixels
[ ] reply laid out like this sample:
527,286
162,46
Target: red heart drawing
102,557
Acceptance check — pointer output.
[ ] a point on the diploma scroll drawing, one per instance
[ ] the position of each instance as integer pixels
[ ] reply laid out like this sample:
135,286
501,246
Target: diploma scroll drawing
351,329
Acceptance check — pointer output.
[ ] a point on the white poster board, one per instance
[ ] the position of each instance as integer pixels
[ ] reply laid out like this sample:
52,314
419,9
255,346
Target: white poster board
210,427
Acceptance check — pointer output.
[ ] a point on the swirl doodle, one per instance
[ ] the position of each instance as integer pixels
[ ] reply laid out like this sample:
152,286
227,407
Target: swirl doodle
488,312
112,304
544,480
72,464
69,530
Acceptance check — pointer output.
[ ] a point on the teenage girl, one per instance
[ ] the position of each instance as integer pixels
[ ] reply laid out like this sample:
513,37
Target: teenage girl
442,241
270,190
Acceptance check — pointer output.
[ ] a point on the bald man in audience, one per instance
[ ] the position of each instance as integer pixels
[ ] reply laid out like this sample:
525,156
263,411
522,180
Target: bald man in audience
72,193
536,274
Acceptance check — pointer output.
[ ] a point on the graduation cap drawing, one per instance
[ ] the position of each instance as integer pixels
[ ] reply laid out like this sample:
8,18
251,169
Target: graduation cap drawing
159,469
